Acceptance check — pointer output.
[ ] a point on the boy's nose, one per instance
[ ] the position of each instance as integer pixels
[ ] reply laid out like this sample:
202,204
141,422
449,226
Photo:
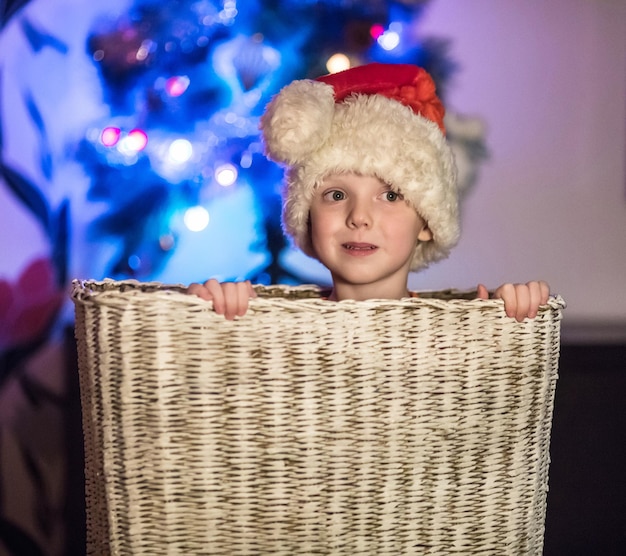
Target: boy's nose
359,215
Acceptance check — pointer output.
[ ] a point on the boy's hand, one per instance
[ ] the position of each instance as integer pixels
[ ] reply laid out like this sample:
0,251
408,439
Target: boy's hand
520,300
229,298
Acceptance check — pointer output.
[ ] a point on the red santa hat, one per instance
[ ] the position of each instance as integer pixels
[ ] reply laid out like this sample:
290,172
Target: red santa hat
382,120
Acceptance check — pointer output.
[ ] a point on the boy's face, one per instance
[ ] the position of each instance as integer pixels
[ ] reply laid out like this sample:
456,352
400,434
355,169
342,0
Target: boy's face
365,234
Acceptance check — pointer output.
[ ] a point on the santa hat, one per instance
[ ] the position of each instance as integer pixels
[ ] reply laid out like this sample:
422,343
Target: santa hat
383,120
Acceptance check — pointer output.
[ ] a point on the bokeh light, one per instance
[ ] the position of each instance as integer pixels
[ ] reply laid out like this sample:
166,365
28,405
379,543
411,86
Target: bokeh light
338,62
390,39
110,136
376,31
226,175
196,218
134,262
135,141
176,86
180,151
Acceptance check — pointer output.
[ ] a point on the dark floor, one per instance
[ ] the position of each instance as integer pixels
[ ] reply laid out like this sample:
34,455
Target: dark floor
587,497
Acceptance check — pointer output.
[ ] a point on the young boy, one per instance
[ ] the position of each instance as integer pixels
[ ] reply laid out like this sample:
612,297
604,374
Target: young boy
371,189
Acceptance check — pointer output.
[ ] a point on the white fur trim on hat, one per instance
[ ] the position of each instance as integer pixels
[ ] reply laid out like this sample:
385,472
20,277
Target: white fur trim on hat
304,129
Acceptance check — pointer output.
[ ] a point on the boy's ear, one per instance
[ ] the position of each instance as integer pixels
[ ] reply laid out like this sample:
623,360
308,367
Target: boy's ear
425,234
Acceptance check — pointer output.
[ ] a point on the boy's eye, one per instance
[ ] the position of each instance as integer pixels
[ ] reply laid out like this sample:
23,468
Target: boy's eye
393,196
335,195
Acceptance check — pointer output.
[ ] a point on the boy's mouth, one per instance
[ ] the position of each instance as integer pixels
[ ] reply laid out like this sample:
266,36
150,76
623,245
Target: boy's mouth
359,247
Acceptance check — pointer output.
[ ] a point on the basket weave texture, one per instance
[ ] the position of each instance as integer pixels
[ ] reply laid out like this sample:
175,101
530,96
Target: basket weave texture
418,426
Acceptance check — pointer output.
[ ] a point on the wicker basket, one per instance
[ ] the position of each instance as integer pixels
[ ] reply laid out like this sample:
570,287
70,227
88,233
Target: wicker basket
419,426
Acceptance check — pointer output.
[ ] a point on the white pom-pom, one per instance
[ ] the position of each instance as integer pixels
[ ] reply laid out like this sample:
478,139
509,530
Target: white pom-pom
297,120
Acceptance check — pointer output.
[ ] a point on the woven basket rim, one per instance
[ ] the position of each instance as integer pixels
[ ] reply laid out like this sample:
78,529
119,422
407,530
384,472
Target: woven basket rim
306,295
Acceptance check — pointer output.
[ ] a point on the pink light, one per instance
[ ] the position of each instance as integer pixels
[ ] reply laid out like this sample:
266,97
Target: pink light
137,139
176,86
376,30
110,136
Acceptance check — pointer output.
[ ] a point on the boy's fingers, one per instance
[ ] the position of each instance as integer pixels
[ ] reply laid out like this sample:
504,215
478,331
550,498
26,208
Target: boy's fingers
521,300
545,291
539,295
193,289
251,290
522,294
506,292
216,295
230,292
482,292
230,299
534,298
243,295
198,290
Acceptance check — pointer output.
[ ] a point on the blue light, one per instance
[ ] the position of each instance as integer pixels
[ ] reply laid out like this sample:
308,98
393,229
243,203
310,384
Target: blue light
196,218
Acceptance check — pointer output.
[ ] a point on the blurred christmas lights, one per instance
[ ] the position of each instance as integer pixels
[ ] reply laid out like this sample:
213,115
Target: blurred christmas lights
176,86
110,136
376,30
180,151
226,175
135,141
134,262
338,62
196,218
390,39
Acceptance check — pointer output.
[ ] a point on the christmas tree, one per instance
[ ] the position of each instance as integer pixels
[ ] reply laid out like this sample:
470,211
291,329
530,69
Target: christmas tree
186,81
